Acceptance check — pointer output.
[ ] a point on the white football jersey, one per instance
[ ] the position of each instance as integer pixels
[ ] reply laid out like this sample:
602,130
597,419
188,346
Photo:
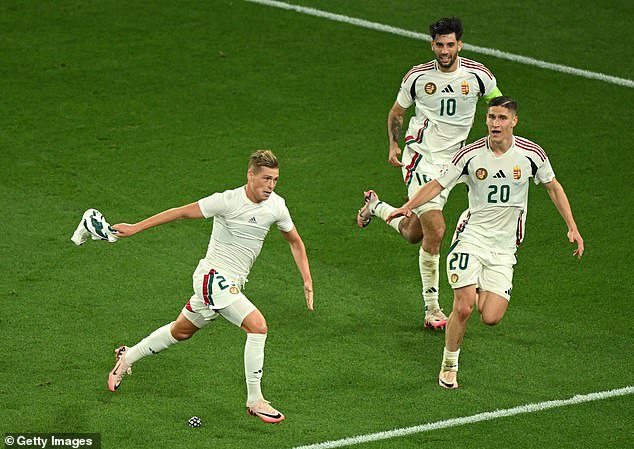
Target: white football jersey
445,105
498,191
240,227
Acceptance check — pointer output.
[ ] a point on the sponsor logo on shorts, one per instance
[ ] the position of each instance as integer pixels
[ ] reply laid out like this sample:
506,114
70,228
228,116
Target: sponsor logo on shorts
454,278
481,174
464,87
234,290
430,88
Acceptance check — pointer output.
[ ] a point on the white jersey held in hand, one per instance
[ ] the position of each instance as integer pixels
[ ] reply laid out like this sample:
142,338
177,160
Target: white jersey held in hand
93,225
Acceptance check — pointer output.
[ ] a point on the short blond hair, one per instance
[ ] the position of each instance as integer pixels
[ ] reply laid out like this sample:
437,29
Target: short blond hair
262,158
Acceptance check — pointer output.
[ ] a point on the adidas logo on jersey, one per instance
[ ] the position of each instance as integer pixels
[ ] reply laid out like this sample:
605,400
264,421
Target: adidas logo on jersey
499,174
253,220
448,89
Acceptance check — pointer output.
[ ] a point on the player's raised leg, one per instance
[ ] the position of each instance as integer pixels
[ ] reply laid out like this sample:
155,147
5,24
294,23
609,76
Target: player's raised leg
408,227
162,338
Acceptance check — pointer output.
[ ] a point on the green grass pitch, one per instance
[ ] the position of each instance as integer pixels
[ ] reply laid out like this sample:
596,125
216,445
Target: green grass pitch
136,107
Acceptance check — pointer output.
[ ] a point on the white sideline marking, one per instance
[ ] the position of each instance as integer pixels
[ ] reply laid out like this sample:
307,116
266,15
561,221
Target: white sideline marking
482,50
528,408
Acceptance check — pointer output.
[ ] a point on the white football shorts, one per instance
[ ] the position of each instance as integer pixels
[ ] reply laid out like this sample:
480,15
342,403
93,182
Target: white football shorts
216,294
468,265
417,172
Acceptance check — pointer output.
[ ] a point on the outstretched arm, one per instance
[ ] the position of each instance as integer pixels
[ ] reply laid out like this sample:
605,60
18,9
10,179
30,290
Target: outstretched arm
429,191
394,126
560,200
301,259
177,213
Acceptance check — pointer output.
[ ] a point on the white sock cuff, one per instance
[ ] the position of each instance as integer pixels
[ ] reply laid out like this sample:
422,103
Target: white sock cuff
382,210
169,334
154,343
424,255
450,360
256,339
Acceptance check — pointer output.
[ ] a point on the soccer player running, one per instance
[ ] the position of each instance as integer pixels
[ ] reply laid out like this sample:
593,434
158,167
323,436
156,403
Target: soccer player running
242,218
497,170
445,93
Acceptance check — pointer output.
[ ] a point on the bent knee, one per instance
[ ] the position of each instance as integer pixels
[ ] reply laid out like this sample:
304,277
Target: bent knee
436,235
410,229
491,320
432,240
182,334
183,329
259,329
411,237
463,312
255,324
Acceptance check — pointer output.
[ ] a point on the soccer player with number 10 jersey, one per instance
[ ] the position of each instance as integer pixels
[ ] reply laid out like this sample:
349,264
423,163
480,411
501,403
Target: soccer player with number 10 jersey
445,93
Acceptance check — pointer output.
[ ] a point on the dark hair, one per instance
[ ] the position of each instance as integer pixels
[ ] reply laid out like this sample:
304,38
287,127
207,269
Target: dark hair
446,25
505,102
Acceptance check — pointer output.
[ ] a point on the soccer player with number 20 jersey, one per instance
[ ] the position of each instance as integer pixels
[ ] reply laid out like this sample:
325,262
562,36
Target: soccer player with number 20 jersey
497,169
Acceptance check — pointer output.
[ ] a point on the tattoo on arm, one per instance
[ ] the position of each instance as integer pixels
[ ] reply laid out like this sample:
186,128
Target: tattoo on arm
395,129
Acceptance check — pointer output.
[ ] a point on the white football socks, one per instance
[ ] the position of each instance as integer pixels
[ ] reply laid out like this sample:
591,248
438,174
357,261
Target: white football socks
382,210
450,360
428,264
253,365
154,343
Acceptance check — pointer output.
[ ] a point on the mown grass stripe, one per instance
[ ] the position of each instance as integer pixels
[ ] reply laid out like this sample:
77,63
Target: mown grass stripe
474,48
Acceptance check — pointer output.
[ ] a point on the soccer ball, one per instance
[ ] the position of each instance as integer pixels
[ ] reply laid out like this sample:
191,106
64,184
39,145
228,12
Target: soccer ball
194,421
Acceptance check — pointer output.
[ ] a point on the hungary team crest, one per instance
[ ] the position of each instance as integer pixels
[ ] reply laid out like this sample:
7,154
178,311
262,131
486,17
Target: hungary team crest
481,174
430,88
465,87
